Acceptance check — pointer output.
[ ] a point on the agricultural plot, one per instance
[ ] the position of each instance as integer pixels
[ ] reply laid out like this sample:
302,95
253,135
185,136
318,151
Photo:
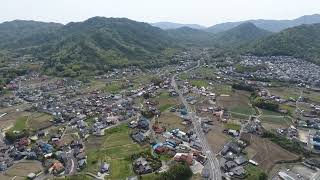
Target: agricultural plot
267,153
170,121
288,92
20,124
281,120
285,92
115,147
39,121
68,138
238,104
253,172
199,83
10,119
221,89
113,87
165,101
23,168
232,126
216,138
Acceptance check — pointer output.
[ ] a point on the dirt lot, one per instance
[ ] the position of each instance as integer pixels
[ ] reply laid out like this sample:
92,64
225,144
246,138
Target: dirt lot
216,138
22,169
171,121
9,119
39,121
68,138
265,152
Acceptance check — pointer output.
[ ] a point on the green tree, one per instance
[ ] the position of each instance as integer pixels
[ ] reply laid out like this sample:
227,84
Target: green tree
263,176
177,172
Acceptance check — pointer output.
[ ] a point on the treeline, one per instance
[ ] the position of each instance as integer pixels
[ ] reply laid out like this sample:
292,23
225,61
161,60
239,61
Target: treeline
242,69
285,143
301,41
179,171
7,75
244,87
265,104
12,136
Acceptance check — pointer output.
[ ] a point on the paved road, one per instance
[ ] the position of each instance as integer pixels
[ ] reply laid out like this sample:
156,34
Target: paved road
213,163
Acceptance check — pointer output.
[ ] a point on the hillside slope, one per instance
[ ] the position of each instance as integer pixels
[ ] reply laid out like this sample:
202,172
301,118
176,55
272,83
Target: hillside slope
243,34
191,37
96,44
170,25
301,41
18,33
269,25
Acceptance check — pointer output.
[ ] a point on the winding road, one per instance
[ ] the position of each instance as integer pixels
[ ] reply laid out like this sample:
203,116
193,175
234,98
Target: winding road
213,163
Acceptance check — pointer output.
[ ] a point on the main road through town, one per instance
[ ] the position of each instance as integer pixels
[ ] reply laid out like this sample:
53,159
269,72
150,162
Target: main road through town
213,163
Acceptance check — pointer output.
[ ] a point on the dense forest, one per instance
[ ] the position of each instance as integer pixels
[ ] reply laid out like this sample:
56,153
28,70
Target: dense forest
99,44
301,41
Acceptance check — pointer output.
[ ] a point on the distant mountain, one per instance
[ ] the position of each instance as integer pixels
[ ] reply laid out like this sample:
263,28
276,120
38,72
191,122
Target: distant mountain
191,37
170,25
240,35
301,41
20,33
269,25
96,44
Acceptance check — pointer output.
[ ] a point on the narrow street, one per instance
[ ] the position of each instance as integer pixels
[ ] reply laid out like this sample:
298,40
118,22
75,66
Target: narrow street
213,163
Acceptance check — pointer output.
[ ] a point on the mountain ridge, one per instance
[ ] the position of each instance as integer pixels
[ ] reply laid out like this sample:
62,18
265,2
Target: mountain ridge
172,25
269,25
302,41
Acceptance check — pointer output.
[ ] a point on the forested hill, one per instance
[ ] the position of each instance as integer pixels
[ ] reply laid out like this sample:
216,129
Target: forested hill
301,41
171,25
240,35
269,25
192,37
96,44
18,33
99,43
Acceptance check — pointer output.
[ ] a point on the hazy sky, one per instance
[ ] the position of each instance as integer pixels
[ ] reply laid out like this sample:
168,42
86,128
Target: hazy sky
205,12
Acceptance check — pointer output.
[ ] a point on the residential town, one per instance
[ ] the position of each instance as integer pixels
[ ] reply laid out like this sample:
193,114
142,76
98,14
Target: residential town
218,121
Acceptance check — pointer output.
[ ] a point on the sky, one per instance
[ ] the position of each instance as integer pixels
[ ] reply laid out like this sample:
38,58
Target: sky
203,12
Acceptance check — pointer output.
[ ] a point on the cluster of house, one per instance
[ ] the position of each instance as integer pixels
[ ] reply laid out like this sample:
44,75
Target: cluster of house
311,118
60,89
233,161
55,155
290,132
183,146
142,130
142,166
253,126
314,140
282,68
120,73
9,101
265,94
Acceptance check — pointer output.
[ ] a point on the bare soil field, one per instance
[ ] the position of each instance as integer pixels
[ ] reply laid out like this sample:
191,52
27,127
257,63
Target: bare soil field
24,168
9,119
68,138
265,152
171,121
39,121
216,138
270,126
287,92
